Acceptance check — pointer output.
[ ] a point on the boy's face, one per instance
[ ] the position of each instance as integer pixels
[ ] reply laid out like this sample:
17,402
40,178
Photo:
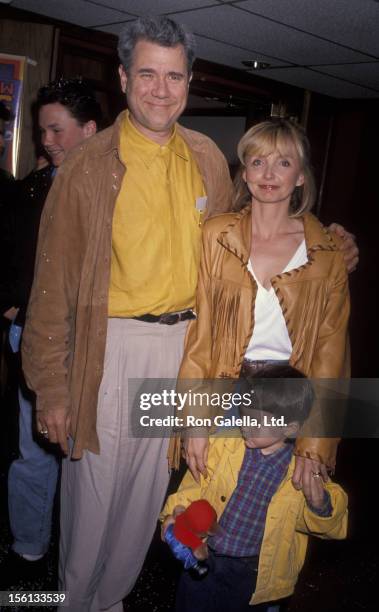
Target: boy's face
60,131
265,435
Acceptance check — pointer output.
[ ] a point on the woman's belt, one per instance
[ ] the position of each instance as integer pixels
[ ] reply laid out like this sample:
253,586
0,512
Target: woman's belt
250,366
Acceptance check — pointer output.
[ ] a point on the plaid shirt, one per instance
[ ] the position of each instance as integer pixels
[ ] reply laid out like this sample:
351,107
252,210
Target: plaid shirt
243,520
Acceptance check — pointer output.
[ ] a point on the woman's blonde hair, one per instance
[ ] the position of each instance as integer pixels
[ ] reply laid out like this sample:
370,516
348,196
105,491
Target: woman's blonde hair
265,138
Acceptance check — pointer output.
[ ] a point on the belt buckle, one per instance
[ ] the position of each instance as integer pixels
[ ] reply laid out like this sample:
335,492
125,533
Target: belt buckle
169,319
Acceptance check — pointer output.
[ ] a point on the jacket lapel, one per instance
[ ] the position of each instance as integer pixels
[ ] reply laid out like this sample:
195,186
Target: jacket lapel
236,237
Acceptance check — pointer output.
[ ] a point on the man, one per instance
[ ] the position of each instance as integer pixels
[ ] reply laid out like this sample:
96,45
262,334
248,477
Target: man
68,114
88,271
113,292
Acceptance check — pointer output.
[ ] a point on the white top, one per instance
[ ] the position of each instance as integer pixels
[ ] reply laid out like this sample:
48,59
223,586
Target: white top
270,339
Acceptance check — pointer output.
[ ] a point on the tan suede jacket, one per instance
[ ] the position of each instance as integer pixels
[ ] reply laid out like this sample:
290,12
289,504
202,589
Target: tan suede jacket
314,299
65,333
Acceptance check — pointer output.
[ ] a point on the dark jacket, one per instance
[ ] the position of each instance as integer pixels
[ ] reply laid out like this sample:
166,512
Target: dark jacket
21,219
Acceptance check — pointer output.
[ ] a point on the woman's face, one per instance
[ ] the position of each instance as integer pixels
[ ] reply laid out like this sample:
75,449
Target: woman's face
272,178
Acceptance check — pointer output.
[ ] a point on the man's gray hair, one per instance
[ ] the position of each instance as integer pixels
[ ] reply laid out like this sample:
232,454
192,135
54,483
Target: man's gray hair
159,30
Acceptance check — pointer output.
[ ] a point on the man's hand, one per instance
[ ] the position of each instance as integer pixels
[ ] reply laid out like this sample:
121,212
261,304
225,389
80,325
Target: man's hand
350,249
54,425
304,475
195,452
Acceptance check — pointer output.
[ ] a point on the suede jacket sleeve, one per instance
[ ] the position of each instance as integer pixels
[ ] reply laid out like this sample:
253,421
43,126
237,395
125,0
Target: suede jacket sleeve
330,360
50,323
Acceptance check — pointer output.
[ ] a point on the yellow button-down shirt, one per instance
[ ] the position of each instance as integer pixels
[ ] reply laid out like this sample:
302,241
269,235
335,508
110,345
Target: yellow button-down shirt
156,227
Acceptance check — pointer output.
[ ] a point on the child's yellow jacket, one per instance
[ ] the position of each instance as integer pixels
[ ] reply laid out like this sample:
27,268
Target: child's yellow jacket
289,520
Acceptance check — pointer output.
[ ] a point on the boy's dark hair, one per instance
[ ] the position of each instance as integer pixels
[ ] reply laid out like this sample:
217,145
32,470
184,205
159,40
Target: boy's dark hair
280,390
76,95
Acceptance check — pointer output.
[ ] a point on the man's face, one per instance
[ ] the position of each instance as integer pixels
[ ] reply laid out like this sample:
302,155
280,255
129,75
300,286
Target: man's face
156,88
60,131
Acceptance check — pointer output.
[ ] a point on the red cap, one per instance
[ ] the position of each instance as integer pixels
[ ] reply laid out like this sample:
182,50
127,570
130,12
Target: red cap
197,518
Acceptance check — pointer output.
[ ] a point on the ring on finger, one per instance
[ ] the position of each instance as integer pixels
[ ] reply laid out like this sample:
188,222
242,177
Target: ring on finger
316,474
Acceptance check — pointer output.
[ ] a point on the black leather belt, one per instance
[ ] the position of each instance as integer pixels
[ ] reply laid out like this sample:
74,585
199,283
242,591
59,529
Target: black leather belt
251,367
169,318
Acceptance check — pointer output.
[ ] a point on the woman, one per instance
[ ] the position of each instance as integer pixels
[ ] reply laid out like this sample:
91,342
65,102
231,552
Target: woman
272,285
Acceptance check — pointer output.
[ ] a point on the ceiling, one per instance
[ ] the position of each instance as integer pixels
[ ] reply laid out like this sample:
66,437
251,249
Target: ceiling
327,46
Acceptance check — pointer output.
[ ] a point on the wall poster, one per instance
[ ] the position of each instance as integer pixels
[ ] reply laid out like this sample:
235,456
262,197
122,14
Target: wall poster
12,75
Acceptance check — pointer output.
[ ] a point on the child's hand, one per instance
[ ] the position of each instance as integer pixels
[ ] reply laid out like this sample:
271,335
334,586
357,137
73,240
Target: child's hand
315,494
201,552
178,510
170,520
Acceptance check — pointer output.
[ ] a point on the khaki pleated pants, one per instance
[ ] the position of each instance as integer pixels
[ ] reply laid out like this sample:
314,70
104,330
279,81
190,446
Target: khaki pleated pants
110,502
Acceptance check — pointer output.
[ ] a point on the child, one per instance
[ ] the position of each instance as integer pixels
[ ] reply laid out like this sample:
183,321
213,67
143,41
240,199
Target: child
264,522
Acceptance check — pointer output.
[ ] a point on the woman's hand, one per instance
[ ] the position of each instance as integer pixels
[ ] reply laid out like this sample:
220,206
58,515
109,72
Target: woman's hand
316,497
195,452
304,474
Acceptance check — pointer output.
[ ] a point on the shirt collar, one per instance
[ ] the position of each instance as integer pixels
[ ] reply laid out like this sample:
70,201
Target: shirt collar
281,456
146,148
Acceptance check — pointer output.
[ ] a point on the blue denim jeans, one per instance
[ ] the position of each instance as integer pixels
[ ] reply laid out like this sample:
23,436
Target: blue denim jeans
32,480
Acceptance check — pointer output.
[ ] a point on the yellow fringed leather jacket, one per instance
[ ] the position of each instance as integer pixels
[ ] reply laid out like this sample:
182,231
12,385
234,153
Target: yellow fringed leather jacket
314,299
